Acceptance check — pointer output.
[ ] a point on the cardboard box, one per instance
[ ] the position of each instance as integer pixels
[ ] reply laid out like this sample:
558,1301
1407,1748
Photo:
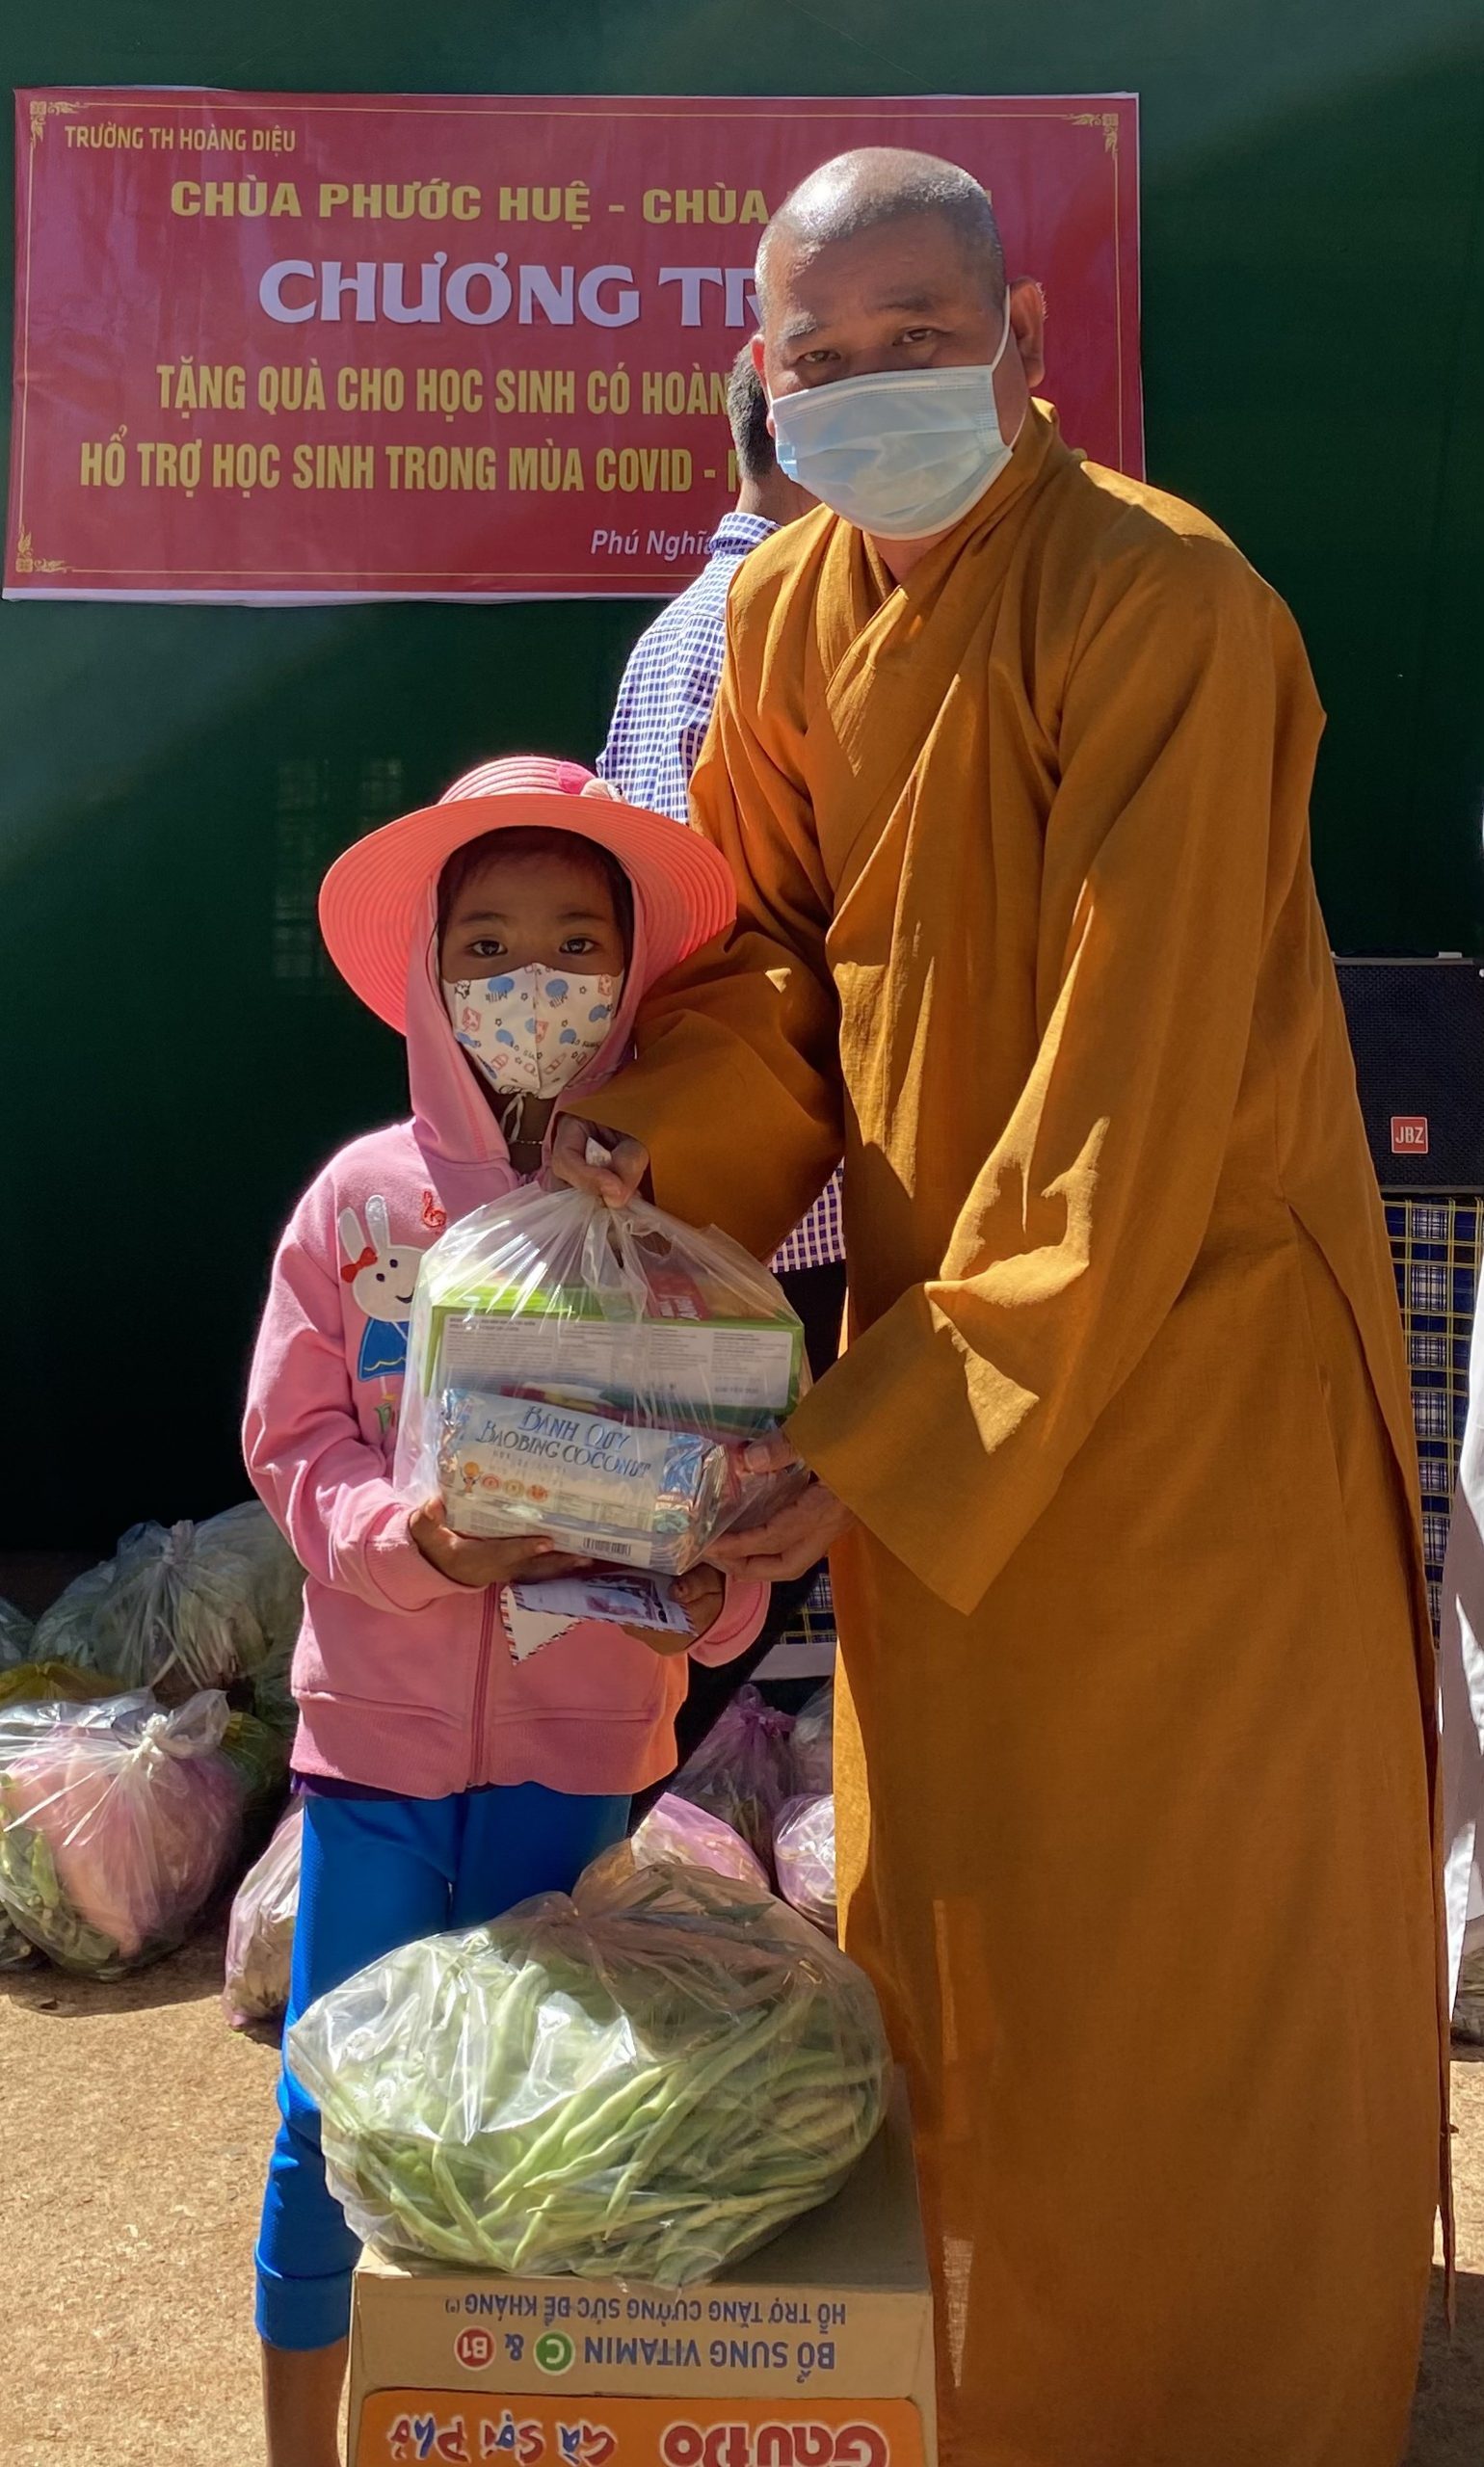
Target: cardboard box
737,1371
817,2353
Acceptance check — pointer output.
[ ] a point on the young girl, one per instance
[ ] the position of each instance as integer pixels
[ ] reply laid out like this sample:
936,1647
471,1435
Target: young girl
509,931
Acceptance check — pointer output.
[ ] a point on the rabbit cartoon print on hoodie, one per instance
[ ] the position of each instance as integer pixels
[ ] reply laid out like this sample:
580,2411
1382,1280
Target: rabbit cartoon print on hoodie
382,1278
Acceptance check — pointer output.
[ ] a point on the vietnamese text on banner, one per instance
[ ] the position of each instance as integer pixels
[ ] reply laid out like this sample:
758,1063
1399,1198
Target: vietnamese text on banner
279,347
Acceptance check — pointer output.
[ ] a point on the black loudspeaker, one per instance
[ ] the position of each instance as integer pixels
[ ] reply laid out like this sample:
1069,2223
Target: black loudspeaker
1417,1029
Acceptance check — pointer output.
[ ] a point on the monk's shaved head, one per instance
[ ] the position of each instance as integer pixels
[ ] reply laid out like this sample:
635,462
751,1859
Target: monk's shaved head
882,184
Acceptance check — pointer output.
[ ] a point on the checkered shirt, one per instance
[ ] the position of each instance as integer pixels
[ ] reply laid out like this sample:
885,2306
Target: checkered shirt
659,721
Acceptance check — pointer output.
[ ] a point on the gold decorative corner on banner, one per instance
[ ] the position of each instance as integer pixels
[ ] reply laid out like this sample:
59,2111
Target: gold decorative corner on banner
28,563
40,106
1108,121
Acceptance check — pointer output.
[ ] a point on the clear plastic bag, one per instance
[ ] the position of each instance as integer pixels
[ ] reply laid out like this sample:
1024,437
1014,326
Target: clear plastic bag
64,1632
741,1770
41,1682
812,1744
16,1632
53,1682
260,1933
596,1374
804,1856
258,1754
16,1951
644,2081
116,1820
1469,2001
678,1833
197,1605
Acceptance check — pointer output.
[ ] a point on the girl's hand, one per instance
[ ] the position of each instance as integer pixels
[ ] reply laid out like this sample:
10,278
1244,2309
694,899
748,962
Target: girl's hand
478,1560
700,1595
616,1180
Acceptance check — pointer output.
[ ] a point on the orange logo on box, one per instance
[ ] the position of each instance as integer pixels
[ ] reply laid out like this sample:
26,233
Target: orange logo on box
467,2427
1408,1134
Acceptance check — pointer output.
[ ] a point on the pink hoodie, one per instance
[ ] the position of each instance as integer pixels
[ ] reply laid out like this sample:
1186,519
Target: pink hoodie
404,1679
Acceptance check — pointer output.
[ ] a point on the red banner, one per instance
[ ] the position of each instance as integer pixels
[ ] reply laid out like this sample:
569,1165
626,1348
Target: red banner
286,346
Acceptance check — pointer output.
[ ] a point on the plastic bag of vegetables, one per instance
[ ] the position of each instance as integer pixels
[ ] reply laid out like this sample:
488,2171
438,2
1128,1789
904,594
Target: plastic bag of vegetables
185,1606
258,1755
1469,2001
676,1829
116,1821
16,1635
804,1857
741,1770
677,1832
260,1935
39,1682
811,1747
644,2081
64,1633
53,1682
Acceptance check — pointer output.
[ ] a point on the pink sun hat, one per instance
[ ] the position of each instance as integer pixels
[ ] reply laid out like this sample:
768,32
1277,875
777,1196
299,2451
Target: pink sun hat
372,899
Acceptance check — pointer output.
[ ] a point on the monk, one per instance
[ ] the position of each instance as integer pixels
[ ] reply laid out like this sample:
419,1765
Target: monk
1011,760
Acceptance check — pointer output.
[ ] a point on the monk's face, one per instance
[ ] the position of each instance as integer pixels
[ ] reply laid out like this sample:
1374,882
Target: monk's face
902,295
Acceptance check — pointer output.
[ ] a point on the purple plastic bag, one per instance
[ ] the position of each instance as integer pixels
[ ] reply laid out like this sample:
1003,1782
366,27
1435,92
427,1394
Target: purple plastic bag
741,1770
678,1829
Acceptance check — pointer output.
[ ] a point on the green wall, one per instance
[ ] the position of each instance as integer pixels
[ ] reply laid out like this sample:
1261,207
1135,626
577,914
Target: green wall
174,779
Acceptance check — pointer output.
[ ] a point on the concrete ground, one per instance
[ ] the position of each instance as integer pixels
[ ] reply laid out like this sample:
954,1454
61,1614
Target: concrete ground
136,2125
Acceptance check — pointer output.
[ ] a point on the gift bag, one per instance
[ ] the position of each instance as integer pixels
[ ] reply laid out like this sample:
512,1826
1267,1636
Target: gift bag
596,1374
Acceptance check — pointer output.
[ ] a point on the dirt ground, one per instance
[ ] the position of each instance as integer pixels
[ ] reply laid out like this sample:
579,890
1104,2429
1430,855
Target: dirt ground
136,2128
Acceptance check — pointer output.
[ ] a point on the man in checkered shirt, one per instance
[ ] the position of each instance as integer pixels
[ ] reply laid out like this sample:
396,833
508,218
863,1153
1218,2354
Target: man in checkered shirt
659,722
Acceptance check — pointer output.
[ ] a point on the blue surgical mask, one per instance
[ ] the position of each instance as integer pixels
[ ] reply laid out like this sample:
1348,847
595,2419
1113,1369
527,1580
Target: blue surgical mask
903,452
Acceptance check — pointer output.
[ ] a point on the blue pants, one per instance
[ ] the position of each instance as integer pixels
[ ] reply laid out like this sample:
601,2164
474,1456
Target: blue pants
376,1873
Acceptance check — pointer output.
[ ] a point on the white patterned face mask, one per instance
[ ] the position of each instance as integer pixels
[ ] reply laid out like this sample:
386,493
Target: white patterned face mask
533,1029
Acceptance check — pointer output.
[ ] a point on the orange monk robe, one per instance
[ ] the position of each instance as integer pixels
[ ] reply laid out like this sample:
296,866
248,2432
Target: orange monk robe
1136,1748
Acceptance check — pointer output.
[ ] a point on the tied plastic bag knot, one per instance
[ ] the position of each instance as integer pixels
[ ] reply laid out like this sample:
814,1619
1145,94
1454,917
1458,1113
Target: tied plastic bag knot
186,1608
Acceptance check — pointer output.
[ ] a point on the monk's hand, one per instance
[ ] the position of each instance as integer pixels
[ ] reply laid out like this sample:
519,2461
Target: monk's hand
795,1537
479,1560
700,1595
603,1164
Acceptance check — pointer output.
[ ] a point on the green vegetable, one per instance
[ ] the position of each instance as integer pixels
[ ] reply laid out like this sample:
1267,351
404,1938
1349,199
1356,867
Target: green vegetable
28,1879
258,1755
644,2081
16,1951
